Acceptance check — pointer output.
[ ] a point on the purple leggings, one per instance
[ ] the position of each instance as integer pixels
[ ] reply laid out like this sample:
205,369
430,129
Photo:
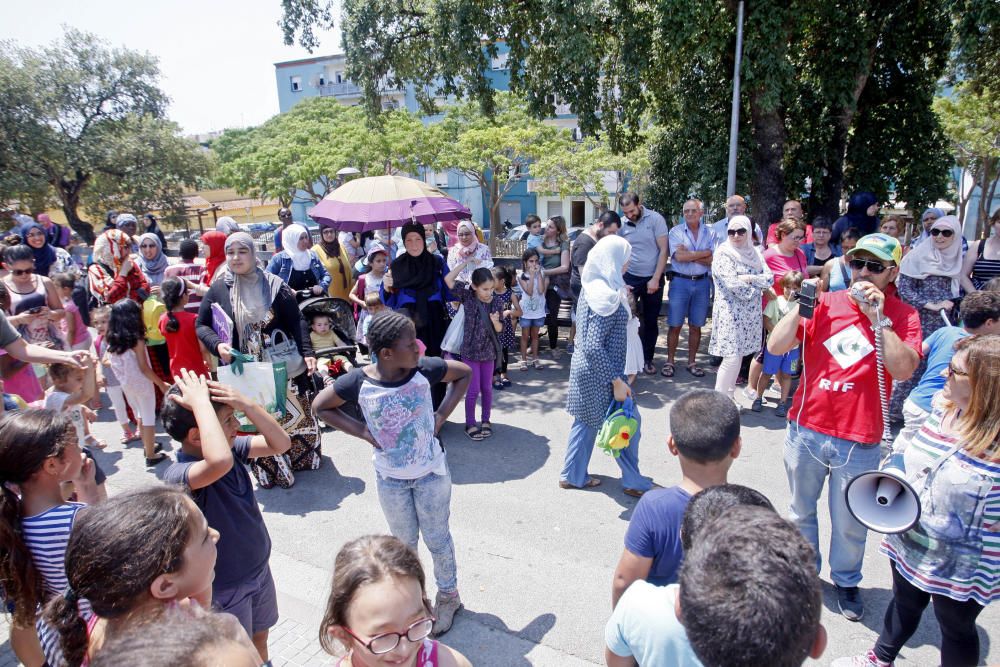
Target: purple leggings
482,382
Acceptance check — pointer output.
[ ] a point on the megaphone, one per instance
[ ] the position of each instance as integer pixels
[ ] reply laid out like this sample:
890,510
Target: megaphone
882,500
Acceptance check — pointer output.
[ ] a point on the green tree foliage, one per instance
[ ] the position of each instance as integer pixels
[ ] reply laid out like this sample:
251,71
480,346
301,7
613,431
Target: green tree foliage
300,151
75,113
816,75
495,151
971,120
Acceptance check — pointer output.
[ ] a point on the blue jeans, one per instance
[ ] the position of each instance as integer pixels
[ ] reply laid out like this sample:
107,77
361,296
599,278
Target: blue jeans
581,446
688,299
423,505
809,457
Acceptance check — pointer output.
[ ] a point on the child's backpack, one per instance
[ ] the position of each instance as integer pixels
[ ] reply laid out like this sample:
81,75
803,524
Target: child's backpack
620,424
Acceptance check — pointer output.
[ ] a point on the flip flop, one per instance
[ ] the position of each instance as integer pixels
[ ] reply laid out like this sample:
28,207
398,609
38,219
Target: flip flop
695,370
474,433
95,442
668,370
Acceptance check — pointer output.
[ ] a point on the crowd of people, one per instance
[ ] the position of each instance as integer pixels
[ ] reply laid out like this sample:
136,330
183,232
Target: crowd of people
709,574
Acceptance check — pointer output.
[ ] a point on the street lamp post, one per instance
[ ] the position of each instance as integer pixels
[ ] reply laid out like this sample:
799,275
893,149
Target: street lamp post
734,121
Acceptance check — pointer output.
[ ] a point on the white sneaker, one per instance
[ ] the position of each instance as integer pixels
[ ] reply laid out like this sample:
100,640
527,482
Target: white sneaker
750,394
866,660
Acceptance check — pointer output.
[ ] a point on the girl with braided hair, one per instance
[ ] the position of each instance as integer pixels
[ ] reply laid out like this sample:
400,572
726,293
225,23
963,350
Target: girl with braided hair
399,421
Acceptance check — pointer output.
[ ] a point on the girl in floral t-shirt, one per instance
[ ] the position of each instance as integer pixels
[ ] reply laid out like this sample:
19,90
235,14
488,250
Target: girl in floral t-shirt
399,421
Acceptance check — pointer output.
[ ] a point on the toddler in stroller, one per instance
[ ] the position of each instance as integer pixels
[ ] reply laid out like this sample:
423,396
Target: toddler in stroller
331,325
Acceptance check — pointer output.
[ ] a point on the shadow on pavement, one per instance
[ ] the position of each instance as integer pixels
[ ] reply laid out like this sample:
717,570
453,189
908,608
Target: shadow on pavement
512,453
322,489
468,637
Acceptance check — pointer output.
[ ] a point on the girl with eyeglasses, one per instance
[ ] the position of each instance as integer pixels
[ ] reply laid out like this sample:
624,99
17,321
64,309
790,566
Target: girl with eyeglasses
378,609
953,464
929,280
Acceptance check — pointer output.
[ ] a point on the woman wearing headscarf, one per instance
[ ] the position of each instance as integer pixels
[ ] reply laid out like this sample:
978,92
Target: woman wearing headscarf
258,306
926,221
297,264
33,235
414,284
597,372
336,261
215,258
862,214
127,223
468,247
226,225
929,280
741,278
152,260
114,275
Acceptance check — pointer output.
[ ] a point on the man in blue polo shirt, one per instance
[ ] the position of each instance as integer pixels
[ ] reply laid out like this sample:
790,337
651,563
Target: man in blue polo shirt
691,246
646,230
980,315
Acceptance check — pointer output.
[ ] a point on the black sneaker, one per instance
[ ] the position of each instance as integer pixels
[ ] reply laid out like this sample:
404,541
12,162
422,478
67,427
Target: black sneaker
849,601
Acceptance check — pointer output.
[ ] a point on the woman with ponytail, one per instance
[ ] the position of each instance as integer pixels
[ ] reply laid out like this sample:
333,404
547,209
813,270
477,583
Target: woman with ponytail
129,557
39,452
178,326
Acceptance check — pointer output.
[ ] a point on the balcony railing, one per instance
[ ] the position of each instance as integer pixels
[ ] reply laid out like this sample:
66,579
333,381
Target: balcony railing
346,89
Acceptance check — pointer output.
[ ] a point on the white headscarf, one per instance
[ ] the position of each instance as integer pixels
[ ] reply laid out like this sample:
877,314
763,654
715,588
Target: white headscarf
928,260
290,245
602,274
740,248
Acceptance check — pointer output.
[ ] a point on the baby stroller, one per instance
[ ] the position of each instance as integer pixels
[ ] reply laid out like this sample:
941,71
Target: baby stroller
341,316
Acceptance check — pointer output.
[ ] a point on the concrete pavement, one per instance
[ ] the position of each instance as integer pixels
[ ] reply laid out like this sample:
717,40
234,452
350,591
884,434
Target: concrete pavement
535,561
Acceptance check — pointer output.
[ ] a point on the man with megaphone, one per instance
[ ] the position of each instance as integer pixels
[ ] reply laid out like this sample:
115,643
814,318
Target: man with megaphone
837,418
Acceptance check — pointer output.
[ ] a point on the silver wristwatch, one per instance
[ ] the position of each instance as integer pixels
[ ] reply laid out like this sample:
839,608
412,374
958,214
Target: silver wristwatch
884,323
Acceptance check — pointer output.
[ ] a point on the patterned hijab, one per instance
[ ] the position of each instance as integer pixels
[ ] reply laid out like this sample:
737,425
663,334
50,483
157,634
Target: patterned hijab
111,248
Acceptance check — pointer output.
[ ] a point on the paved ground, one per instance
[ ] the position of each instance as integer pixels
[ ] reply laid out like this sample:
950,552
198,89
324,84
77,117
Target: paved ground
535,562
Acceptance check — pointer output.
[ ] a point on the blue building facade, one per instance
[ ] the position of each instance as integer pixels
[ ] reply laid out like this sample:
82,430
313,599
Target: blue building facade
325,76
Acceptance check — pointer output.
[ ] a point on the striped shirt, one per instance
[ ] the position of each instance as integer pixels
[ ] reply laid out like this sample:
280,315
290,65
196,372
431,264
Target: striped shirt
46,536
954,550
193,273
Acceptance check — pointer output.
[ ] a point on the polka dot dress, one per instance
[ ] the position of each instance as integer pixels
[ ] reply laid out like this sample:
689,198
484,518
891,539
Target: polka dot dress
599,358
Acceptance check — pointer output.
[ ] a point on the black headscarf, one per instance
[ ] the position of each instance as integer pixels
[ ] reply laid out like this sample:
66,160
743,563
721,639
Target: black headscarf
417,275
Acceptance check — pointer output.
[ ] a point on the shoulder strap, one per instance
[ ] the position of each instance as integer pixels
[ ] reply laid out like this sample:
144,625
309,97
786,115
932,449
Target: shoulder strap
844,274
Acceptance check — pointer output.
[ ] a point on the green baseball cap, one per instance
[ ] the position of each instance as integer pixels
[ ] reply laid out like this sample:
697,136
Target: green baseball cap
882,246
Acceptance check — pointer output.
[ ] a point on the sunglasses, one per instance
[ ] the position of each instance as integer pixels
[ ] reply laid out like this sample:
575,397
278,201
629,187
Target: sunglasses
874,267
148,245
947,233
736,232
22,272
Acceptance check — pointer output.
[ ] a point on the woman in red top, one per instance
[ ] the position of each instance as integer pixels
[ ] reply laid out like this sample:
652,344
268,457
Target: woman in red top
114,275
786,256
178,327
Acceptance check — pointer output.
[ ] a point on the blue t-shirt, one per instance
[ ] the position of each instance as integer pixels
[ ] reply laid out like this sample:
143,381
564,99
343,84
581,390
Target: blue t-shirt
655,532
230,507
940,350
645,627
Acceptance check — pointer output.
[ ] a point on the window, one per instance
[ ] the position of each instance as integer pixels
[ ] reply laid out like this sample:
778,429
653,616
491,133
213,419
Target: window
499,62
553,208
296,82
339,77
322,80
438,179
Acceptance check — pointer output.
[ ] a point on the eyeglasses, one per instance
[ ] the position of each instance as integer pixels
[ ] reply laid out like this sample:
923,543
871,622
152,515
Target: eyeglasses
874,267
797,238
955,371
385,643
947,233
148,245
22,272
736,232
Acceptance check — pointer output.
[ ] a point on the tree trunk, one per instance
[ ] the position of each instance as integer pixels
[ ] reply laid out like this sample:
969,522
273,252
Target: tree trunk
69,197
987,190
832,186
767,186
494,200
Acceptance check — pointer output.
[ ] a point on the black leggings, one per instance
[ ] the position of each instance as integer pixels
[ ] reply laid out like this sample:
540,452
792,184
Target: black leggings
552,302
504,357
957,620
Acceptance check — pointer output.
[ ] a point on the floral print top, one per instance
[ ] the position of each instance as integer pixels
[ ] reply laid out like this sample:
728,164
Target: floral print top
400,417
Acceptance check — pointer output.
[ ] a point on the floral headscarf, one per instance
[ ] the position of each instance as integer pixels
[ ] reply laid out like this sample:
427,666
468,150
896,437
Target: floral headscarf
111,248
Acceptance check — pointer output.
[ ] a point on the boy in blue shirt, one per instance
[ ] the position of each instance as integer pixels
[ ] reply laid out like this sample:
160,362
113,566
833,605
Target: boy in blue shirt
705,436
200,414
534,225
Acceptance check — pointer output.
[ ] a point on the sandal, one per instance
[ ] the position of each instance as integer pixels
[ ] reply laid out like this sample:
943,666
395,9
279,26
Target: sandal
505,381
160,457
131,436
487,430
537,365
650,369
474,433
498,384
523,366
668,370
695,370
589,484
95,442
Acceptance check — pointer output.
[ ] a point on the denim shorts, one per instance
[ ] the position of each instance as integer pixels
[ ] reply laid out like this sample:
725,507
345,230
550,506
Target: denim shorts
531,322
688,299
